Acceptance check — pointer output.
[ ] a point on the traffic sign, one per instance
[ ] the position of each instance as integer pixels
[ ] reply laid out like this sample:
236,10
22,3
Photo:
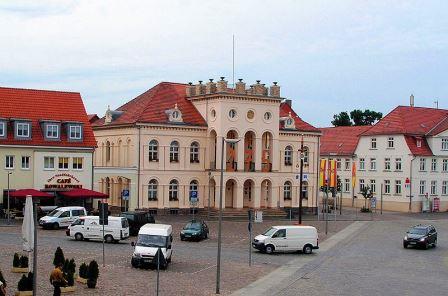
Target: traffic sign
373,202
259,216
193,196
125,194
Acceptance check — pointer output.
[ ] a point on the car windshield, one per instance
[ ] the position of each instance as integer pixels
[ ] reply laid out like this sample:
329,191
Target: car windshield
146,240
193,226
54,213
270,231
419,231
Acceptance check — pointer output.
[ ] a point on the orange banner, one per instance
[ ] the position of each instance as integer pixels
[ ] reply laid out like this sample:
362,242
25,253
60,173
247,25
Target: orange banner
353,174
322,172
333,178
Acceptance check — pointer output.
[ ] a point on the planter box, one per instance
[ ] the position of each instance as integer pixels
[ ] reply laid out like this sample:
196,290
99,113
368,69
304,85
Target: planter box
81,280
20,269
69,289
24,293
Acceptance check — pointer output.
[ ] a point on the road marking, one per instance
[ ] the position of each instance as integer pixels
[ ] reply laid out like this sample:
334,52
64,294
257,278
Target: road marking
201,270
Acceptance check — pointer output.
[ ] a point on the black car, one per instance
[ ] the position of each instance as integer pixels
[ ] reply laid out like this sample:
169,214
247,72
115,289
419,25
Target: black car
194,230
136,220
422,236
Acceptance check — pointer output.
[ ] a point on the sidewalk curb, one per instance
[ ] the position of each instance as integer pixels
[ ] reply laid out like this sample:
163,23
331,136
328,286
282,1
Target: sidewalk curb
276,277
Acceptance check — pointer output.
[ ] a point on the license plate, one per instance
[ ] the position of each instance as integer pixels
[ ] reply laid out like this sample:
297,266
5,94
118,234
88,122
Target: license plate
187,235
147,260
412,243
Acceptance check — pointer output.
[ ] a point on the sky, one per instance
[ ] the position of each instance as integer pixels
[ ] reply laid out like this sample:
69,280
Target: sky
328,56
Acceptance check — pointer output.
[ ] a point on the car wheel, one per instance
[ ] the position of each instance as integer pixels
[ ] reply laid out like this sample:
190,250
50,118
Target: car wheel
169,260
79,237
435,243
269,249
55,226
109,239
405,245
134,263
307,249
426,246
182,238
206,235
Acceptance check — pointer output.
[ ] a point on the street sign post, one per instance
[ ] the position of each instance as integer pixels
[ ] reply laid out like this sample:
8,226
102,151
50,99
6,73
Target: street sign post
249,226
125,197
259,216
194,200
158,259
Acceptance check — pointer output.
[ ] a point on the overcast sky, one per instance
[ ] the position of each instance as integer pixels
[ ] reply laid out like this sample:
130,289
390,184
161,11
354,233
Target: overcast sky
328,56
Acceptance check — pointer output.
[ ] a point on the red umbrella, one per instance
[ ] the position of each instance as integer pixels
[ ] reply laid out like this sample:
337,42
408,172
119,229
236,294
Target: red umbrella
83,193
22,193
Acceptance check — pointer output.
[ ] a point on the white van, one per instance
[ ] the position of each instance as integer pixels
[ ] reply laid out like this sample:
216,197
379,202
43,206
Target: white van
89,227
287,238
150,238
62,217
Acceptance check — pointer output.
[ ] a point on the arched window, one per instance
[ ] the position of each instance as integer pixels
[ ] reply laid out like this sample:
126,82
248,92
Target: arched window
173,190
152,189
193,189
305,155
288,155
153,150
305,190
107,151
287,190
174,151
194,152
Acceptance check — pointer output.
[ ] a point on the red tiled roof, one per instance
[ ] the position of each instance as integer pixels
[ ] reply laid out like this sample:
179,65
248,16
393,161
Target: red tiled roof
408,121
93,118
36,105
341,140
439,128
423,150
150,107
301,125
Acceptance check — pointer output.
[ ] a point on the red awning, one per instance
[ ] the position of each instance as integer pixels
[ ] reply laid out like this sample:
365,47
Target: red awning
22,193
83,193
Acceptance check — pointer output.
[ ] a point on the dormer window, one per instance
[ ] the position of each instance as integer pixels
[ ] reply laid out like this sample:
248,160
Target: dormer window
174,115
289,122
2,129
23,130
52,131
419,143
75,132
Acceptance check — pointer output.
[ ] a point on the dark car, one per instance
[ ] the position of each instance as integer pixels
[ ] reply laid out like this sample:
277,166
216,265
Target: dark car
194,230
136,220
422,236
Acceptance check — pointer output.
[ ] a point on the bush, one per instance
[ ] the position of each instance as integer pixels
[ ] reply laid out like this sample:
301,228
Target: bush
365,210
16,261
58,257
24,261
93,271
26,283
83,270
69,270
91,284
70,277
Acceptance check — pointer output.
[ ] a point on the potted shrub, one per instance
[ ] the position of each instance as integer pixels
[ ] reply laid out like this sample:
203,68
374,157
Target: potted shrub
20,264
58,257
69,269
92,274
82,276
25,285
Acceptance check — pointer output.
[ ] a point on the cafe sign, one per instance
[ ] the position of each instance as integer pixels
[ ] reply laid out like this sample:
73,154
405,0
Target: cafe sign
63,181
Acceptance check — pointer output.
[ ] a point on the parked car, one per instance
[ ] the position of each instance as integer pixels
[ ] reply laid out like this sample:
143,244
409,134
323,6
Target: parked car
137,219
62,217
89,227
287,238
194,230
421,236
150,238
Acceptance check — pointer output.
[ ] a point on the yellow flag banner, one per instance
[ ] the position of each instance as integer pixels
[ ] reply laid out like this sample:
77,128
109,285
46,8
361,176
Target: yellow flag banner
353,174
333,178
322,172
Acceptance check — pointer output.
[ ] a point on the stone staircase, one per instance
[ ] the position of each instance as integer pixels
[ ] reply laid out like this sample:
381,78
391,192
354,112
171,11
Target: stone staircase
241,214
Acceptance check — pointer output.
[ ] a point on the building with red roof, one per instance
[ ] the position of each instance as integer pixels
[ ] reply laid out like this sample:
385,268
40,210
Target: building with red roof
164,148
46,140
403,158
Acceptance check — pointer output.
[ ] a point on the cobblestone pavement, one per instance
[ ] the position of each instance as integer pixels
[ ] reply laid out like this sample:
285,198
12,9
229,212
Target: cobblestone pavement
192,271
374,262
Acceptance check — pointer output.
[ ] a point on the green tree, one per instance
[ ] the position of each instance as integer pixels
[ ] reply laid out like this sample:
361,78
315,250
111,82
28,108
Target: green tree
341,119
366,117
58,257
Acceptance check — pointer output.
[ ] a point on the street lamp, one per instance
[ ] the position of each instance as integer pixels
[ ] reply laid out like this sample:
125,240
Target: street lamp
209,179
218,259
302,156
9,210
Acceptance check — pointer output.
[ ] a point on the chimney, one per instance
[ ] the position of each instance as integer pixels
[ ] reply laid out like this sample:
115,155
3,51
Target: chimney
210,87
189,90
259,89
288,102
240,87
221,85
411,100
200,88
274,90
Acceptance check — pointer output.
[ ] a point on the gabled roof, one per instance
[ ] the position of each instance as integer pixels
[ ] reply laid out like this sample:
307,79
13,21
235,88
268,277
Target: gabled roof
37,105
439,128
423,150
341,140
150,107
301,125
93,117
408,121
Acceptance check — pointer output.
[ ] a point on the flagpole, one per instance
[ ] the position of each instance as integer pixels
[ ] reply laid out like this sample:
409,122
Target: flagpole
35,248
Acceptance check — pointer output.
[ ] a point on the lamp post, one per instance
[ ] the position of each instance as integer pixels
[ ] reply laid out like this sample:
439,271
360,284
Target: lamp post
209,179
302,156
218,259
9,210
